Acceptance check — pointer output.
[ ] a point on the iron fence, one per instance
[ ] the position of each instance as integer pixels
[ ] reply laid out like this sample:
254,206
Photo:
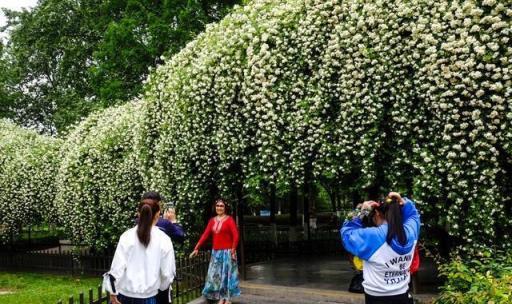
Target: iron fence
264,242
189,280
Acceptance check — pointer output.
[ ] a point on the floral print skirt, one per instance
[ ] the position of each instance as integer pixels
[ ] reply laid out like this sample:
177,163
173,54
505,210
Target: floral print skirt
222,278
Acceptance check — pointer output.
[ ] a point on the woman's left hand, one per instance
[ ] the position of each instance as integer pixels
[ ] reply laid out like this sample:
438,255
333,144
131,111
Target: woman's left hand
114,300
194,253
233,254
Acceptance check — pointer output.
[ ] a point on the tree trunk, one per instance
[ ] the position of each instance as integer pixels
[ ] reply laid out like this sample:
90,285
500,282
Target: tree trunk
356,198
306,194
332,197
293,213
273,212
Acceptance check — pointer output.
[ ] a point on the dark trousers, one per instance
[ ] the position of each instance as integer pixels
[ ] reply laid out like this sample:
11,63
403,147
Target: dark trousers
405,298
163,297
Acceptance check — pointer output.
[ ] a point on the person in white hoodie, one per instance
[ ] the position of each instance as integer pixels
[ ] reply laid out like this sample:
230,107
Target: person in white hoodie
386,250
144,259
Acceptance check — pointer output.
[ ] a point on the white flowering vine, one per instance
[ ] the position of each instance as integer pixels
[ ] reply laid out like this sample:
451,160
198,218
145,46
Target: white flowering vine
28,165
412,95
98,182
369,95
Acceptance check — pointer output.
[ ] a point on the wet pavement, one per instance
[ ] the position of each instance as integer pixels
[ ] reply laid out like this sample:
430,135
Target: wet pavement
331,273
326,273
264,294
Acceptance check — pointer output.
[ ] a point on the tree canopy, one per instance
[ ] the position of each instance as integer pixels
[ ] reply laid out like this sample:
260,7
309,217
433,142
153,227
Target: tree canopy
72,57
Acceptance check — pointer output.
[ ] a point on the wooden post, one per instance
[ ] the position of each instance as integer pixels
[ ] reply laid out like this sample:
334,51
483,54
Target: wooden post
91,296
99,294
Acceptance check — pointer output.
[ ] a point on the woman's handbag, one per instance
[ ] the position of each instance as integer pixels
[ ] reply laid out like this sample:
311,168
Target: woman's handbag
415,265
356,284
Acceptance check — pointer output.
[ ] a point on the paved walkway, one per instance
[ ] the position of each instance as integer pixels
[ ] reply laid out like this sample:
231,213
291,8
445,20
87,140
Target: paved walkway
265,294
260,293
330,273
302,280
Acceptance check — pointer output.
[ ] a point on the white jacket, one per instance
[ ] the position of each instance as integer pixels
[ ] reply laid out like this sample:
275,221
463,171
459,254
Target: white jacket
139,271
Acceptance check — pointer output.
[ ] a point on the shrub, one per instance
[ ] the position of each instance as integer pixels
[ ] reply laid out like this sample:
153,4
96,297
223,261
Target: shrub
367,95
478,281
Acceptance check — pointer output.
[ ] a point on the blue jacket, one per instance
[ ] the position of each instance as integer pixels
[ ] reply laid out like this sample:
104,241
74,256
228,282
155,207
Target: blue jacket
385,266
174,231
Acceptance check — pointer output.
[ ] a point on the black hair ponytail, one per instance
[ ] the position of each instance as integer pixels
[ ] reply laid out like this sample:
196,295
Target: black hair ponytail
148,208
393,214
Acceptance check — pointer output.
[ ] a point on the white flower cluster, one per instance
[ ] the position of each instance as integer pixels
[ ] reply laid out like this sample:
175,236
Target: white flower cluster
28,165
409,95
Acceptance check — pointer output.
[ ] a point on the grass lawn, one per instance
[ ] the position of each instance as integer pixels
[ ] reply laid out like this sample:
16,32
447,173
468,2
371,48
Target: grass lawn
34,288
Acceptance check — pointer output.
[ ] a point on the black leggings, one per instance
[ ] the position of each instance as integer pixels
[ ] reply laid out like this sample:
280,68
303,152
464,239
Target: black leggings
404,298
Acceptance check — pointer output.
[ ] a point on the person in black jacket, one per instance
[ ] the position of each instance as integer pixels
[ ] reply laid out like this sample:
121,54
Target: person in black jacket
169,225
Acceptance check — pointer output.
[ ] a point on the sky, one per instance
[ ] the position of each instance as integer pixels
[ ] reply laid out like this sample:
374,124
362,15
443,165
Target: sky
14,5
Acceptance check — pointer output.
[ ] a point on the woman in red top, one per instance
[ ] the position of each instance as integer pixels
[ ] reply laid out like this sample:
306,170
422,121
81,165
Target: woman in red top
222,279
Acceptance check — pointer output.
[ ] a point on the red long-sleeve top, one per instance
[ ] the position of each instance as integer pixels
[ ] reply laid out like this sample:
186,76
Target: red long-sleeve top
225,234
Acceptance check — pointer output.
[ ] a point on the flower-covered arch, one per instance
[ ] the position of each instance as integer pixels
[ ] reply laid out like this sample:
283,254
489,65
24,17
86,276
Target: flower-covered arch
99,181
28,165
367,96
409,95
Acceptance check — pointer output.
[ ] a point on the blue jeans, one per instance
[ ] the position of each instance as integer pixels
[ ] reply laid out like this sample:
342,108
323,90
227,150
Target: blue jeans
128,300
